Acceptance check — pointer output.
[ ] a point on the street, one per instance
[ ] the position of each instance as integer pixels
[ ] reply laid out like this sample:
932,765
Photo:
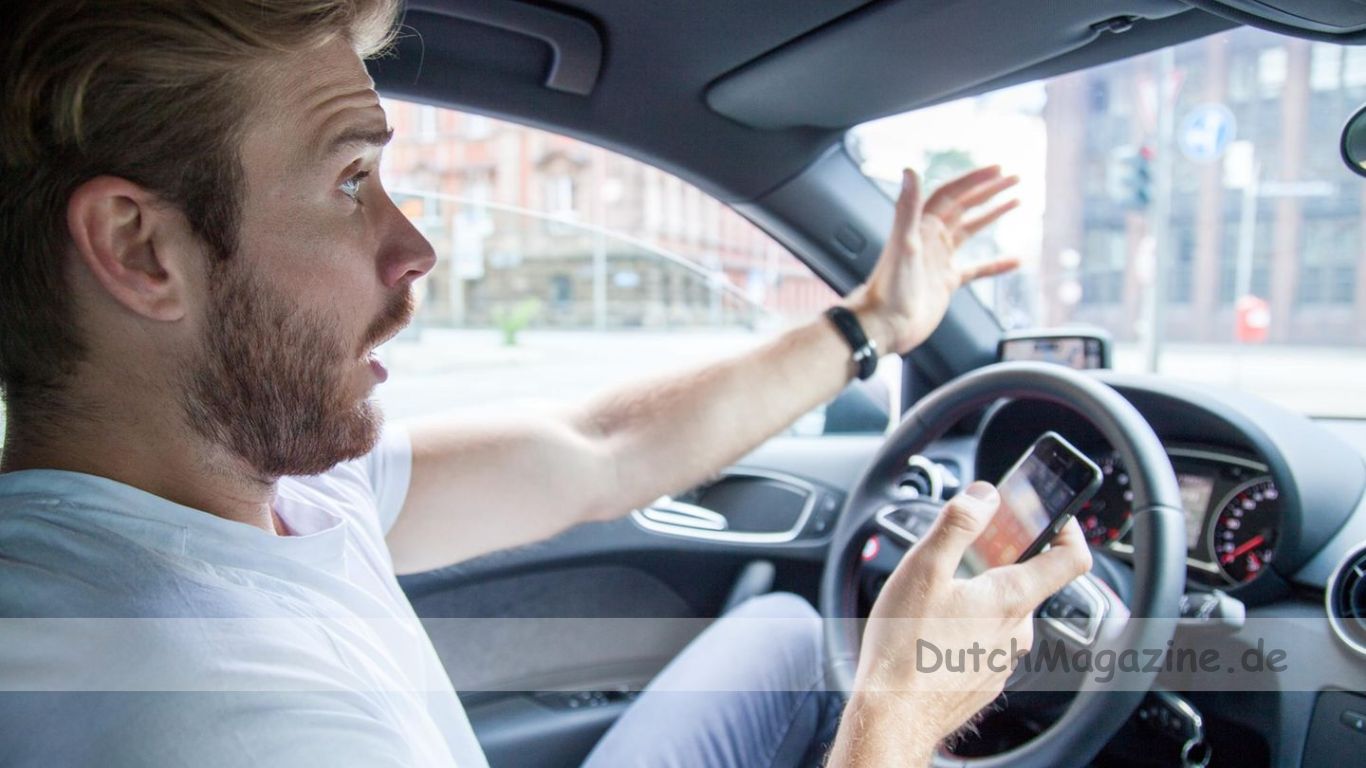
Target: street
444,369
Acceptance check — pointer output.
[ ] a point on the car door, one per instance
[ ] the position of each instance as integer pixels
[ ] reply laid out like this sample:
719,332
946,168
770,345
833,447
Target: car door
549,643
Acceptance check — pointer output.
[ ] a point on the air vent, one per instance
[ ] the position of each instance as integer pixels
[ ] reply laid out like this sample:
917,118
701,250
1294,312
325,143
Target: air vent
1346,600
927,479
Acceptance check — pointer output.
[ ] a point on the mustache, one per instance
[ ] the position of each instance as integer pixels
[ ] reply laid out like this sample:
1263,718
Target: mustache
397,313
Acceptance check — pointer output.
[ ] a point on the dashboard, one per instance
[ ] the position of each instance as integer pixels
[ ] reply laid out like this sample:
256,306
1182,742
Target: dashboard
1232,506
1275,514
1263,490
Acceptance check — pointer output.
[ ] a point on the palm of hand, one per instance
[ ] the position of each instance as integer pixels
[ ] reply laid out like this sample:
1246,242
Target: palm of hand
916,275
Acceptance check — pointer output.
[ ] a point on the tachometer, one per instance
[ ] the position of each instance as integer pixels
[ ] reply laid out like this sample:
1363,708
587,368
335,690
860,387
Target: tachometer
1243,537
1105,518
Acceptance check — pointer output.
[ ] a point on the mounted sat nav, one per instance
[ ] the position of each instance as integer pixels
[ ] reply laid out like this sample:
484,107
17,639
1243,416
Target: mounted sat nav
1079,348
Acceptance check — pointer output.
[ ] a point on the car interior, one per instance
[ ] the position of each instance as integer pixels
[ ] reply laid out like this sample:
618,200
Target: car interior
752,102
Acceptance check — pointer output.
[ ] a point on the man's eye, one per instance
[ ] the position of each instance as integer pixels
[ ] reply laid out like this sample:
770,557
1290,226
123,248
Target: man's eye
351,187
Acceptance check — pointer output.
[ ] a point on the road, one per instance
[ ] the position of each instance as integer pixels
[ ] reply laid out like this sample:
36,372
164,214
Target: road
446,369
439,370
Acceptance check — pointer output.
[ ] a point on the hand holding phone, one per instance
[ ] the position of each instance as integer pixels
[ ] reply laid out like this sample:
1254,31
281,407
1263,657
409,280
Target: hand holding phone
1039,494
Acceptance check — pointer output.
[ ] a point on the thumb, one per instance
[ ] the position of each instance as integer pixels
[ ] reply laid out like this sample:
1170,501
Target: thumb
960,523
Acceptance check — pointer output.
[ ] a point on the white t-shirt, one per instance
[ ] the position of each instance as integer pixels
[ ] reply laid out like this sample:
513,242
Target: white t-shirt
138,632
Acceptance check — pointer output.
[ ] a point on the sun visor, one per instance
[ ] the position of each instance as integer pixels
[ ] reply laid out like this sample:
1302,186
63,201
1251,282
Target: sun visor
893,56
1338,21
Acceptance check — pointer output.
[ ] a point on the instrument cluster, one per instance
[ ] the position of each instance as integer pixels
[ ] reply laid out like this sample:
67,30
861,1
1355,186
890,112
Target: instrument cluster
1232,508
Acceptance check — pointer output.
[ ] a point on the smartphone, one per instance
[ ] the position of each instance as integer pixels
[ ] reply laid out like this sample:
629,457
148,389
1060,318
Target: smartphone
1039,494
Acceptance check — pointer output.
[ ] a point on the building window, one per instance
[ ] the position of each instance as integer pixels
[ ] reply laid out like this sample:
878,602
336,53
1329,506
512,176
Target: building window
1240,78
1099,96
559,195
1101,272
426,123
1328,262
476,127
1354,68
1271,70
1325,67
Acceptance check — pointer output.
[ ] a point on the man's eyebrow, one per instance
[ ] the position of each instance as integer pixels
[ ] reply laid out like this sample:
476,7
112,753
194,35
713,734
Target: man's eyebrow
358,137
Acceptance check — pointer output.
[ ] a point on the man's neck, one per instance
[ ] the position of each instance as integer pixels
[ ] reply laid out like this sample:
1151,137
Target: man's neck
150,453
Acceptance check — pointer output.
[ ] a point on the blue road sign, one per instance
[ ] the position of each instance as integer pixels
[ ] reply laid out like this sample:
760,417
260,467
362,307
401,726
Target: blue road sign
1206,132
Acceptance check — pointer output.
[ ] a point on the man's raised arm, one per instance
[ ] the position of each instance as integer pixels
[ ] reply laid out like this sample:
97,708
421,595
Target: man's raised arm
477,487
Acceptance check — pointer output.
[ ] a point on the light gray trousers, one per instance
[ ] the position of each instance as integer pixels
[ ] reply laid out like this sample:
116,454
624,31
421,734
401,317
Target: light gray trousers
743,694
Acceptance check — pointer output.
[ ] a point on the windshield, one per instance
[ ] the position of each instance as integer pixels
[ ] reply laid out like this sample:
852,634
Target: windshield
1191,202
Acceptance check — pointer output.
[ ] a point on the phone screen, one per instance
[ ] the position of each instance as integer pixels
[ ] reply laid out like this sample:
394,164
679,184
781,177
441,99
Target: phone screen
1038,494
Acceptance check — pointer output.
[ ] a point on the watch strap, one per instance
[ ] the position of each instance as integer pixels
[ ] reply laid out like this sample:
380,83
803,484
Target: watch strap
864,348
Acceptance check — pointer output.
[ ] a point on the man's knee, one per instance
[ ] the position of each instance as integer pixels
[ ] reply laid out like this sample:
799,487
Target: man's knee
784,631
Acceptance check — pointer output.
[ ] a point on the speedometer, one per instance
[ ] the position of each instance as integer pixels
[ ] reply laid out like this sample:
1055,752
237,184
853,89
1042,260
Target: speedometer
1106,517
1243,537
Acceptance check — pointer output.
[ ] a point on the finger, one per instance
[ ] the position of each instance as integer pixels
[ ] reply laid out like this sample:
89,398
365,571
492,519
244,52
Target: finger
950,190
984,192
970,227
954,208
958,525
986,269
1028,584
907,216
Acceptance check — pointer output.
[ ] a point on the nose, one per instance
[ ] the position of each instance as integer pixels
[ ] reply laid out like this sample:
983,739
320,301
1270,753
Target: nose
407,254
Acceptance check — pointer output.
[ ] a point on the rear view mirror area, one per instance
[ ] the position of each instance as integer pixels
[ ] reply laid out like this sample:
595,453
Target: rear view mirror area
1354,142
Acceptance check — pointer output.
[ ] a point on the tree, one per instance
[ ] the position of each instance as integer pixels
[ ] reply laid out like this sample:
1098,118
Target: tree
942,165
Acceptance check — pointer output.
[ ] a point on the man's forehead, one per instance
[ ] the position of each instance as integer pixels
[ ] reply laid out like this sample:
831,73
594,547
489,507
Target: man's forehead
346,115
318,96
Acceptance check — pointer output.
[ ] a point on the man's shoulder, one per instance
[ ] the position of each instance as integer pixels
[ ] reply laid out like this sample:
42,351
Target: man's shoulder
60,561
54,563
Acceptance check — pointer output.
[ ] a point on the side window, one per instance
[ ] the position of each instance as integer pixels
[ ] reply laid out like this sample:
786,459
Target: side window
565,269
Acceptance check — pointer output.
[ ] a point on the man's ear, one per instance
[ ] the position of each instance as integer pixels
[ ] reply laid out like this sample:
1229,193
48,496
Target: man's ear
133,244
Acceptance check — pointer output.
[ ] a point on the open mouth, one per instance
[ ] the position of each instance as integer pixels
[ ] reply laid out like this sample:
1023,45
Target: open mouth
376,367
371,357
399,314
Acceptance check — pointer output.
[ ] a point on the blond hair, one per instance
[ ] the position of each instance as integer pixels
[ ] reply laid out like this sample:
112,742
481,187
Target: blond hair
153,91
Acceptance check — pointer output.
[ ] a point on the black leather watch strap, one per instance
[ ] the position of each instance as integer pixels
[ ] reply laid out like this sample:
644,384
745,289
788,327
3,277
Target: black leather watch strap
865,349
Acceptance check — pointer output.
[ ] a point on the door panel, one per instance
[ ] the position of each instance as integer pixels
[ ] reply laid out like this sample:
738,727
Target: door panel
555,629
600,609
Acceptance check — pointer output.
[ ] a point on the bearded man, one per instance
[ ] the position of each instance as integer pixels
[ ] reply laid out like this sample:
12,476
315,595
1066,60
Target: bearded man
199,261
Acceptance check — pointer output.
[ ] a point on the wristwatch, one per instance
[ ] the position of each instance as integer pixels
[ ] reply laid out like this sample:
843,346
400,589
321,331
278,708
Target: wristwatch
865,349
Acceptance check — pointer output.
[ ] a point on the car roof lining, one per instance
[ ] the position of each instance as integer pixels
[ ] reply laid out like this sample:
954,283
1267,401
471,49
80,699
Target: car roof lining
647,100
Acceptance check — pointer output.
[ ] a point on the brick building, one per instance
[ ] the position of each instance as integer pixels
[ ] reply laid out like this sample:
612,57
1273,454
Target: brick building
1309,248
594,238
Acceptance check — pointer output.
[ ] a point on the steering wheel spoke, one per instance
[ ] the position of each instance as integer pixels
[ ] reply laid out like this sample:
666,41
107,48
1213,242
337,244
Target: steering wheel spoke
1077,613
907,522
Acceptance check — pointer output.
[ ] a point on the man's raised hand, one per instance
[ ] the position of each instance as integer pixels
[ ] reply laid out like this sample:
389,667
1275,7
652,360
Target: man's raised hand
909,290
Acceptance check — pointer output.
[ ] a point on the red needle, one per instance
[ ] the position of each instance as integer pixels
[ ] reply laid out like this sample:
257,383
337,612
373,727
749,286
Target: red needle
1251,543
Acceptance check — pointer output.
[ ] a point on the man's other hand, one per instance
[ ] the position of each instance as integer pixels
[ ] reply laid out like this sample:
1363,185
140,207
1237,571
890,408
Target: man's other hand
924,604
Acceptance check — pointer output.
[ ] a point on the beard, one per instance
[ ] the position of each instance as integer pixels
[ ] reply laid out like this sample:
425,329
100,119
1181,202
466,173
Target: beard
270,381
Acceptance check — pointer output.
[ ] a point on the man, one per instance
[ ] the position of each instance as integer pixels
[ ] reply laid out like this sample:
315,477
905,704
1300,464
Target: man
199,261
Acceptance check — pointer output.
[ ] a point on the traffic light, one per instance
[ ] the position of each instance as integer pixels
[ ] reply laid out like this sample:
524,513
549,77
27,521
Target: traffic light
1129,177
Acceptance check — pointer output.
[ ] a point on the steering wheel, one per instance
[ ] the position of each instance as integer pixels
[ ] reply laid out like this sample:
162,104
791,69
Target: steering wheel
1096,617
